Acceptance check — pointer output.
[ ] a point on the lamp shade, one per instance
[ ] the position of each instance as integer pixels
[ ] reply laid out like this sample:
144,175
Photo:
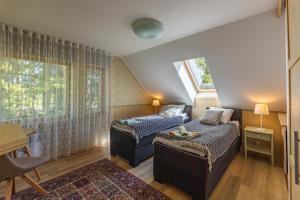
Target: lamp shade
155,102
261,109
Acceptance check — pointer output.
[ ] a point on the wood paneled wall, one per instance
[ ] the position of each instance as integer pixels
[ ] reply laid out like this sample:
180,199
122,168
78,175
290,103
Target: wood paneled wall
122,112
269,121
201,103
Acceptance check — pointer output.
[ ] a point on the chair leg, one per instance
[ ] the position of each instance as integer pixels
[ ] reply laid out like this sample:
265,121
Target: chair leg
8,190
14,154
34,184
26,150
13,185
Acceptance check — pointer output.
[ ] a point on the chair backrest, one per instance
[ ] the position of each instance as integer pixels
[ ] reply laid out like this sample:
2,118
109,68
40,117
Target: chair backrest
7,168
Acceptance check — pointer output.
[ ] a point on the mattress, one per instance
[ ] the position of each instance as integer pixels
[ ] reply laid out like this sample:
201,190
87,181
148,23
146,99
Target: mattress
130,130
212,143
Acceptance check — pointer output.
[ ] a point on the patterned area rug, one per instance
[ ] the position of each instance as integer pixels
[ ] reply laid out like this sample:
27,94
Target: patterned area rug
100,180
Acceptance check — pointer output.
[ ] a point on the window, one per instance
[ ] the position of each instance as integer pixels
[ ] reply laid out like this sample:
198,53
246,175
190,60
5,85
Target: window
93,93
31,89
198,72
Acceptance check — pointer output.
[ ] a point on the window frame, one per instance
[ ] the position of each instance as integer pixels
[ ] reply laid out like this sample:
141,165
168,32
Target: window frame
192,78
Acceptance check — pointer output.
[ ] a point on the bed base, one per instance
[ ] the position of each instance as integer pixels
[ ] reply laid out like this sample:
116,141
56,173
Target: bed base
124,145
188,171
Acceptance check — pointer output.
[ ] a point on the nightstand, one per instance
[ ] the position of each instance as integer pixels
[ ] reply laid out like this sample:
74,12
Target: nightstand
259,141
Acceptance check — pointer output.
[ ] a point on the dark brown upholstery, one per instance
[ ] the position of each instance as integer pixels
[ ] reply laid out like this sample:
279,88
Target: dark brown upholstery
13,167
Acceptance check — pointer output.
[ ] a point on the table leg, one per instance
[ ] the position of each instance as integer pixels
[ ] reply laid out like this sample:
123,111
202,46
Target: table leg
245,144
272,150
8,190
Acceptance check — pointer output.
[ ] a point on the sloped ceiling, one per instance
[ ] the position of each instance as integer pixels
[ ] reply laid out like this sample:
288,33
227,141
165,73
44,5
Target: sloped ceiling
246,59
106,23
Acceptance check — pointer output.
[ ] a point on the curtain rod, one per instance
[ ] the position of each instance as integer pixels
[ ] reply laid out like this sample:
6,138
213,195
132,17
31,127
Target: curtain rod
51,36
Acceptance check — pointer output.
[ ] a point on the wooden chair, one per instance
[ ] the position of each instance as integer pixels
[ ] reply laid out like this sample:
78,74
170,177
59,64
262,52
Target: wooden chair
10,168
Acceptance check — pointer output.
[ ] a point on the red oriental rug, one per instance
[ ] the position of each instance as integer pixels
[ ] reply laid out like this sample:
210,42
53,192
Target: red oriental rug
100,180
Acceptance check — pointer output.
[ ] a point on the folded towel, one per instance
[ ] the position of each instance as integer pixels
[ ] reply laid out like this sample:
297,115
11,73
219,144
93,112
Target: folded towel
182,133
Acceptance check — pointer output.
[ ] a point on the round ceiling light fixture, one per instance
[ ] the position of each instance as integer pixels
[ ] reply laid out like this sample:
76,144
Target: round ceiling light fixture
148,28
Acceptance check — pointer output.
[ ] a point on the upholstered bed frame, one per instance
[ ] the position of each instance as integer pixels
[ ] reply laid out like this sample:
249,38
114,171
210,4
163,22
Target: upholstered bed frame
124,144
190,172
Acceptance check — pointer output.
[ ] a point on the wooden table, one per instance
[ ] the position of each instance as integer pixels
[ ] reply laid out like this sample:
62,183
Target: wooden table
29,131
13,139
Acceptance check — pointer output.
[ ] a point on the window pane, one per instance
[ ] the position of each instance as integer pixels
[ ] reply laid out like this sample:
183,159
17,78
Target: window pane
93,89
31,89
200,71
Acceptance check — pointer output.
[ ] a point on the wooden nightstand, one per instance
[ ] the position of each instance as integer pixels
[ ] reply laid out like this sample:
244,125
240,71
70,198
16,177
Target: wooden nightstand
261,141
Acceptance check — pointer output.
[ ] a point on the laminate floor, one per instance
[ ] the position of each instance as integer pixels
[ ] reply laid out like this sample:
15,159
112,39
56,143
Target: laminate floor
251,179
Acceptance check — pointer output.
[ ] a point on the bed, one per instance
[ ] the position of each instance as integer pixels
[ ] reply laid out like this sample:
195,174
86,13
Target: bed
136,150
191,172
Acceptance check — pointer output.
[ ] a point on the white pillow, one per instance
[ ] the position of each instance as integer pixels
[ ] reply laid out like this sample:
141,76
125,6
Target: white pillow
179,106
167,107
227,113
168,112
176,111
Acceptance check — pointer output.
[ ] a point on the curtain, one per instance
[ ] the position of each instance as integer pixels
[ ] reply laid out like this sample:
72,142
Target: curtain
59,87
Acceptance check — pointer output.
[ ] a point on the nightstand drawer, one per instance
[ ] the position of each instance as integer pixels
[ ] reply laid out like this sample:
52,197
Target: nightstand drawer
258,136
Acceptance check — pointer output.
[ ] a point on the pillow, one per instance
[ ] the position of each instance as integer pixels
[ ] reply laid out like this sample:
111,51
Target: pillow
227,113
180,107
163,109
176,112
168,113
166,107
211,117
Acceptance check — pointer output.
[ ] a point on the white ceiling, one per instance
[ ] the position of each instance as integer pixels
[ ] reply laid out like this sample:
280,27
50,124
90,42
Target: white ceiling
106,23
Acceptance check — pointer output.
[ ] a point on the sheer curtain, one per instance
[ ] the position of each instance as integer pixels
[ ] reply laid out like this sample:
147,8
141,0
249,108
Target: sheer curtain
59,87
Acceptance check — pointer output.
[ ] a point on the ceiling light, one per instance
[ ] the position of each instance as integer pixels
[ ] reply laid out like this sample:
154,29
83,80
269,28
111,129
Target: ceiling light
148,28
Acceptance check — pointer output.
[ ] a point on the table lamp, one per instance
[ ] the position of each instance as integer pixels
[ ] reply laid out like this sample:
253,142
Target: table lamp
261,109
156,103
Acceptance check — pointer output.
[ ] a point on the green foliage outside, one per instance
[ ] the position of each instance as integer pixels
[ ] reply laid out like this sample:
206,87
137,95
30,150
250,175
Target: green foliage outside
207,81
31,89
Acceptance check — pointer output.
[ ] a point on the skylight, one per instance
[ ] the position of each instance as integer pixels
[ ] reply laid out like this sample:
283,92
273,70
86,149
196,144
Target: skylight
197,72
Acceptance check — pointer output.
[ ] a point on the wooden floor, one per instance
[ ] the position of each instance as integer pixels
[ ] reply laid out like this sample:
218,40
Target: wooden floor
253,179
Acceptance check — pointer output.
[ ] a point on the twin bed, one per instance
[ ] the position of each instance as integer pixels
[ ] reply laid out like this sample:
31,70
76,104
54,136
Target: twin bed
194,166
190,171
125,142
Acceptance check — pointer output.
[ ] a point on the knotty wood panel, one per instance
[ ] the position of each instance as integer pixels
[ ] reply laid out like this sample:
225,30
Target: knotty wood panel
201,103
122,112
269,121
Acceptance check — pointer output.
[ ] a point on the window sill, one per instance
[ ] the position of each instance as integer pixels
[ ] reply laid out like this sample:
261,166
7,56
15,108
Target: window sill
207,95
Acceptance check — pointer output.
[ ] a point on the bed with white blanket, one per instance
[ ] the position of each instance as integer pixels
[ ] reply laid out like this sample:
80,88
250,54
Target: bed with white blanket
196,164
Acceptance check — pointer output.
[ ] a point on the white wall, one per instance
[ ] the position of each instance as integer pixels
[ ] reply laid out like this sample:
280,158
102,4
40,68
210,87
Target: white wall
246,60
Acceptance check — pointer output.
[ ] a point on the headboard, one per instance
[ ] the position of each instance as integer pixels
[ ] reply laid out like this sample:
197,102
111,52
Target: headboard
237,116
188,111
